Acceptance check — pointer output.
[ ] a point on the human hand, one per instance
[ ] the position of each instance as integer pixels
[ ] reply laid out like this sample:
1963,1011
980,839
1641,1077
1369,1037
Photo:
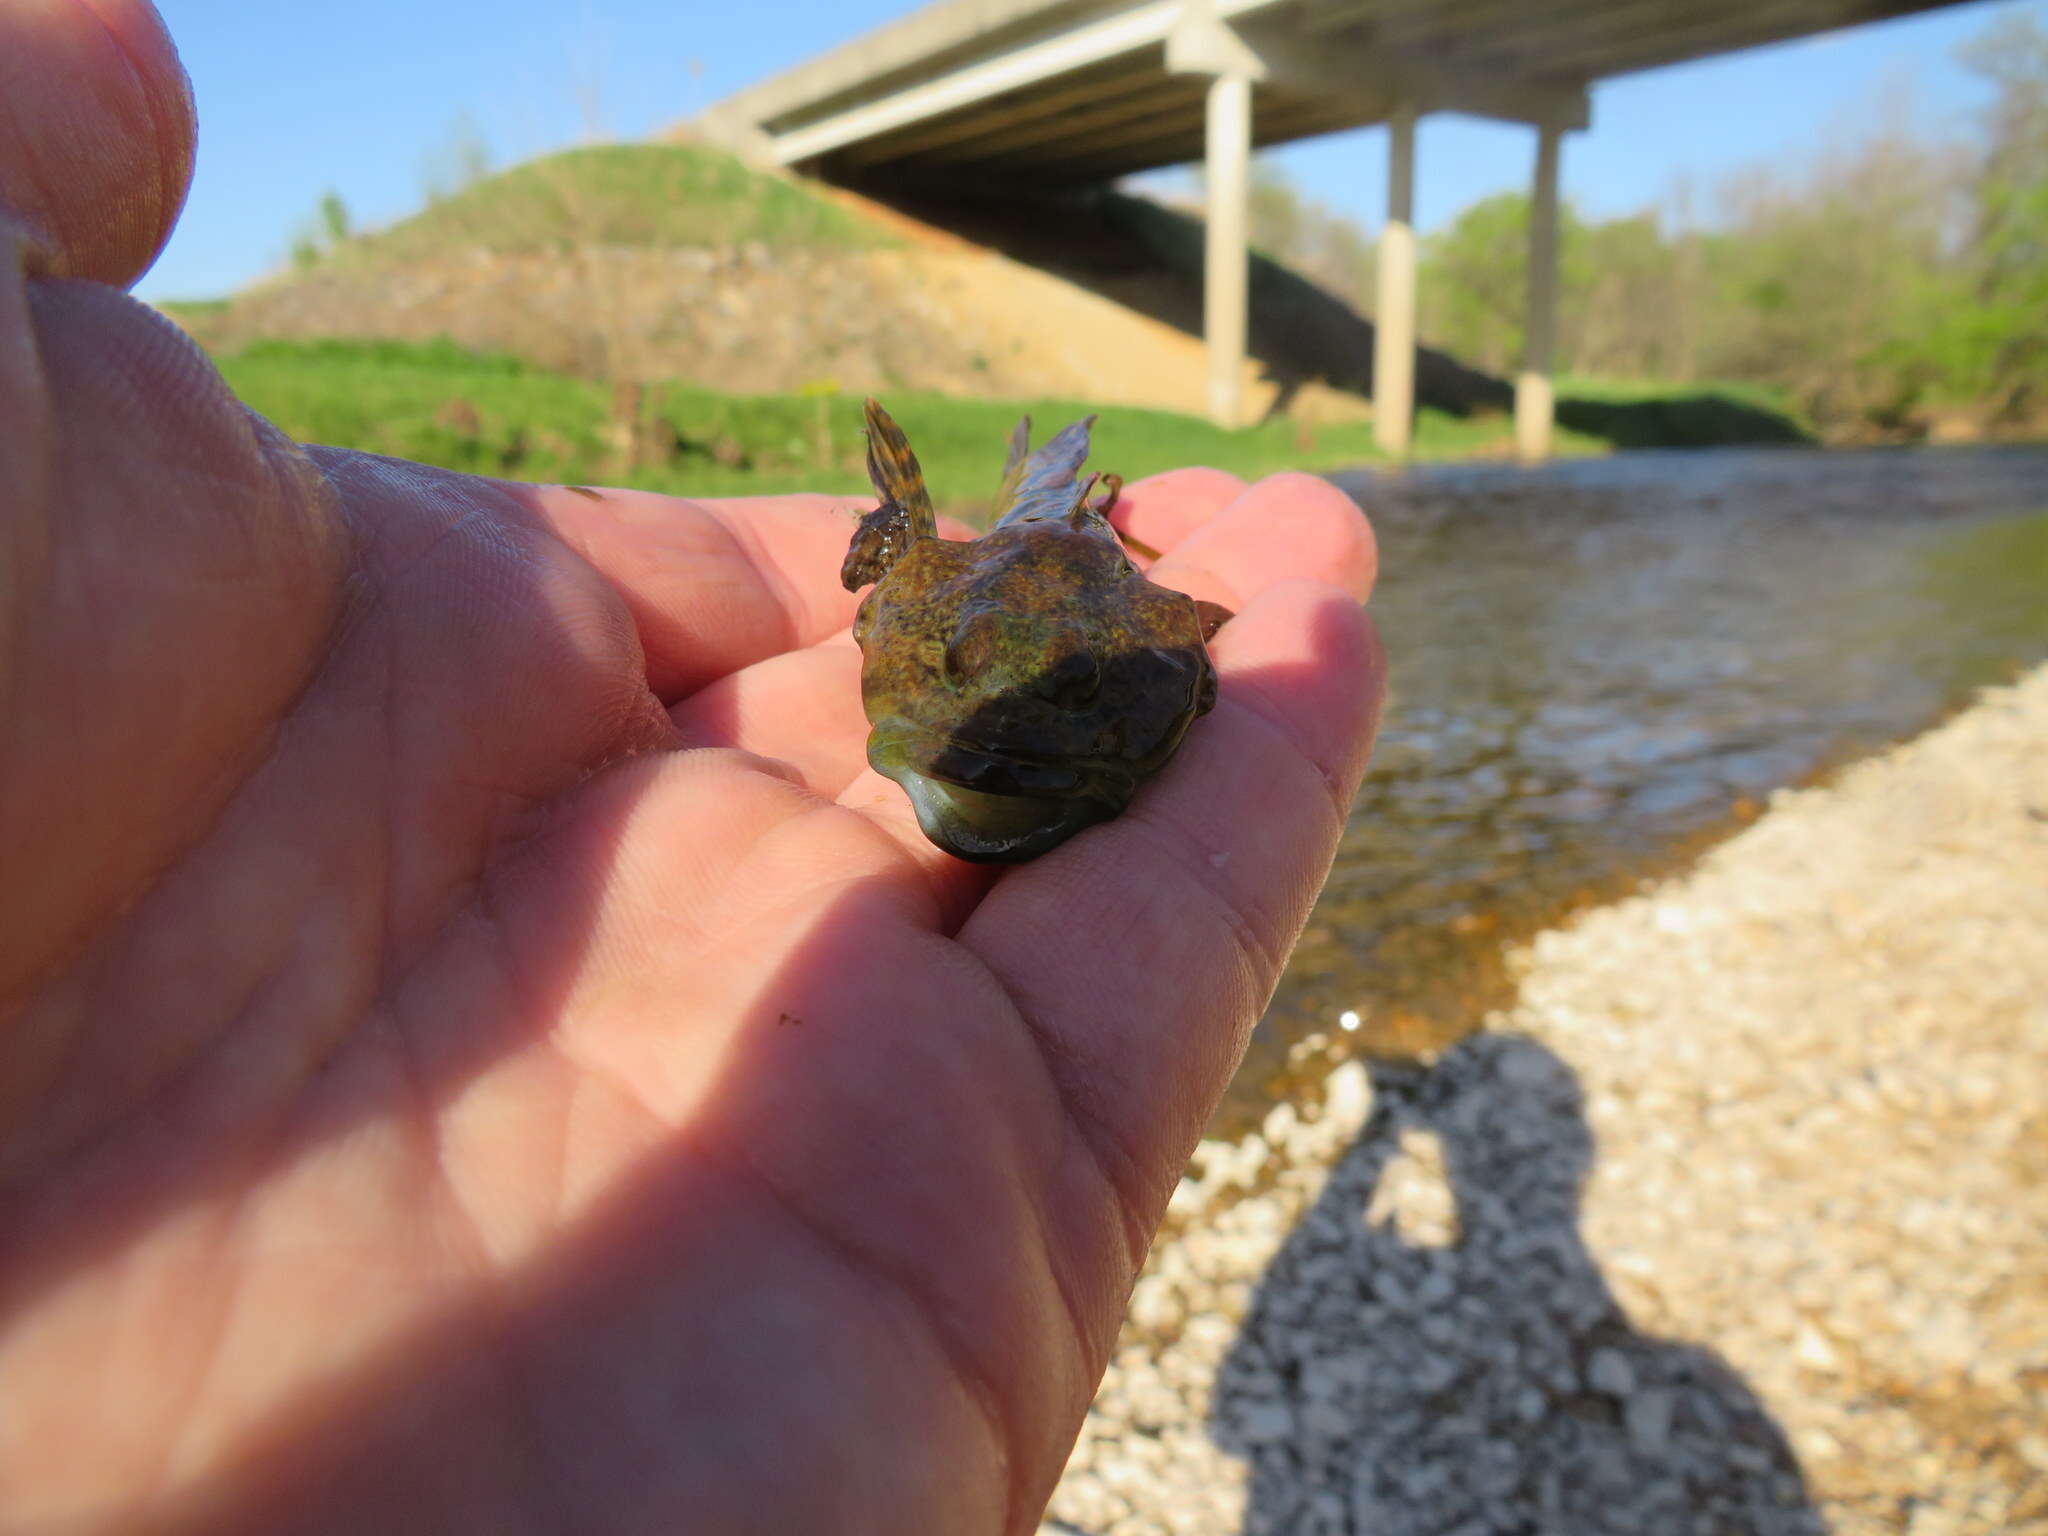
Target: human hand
478,1048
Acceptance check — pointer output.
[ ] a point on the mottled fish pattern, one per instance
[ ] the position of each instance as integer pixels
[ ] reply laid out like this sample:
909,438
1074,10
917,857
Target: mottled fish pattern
1021,686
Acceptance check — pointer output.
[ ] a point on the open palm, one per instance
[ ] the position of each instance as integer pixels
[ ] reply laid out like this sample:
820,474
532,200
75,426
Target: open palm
478,1048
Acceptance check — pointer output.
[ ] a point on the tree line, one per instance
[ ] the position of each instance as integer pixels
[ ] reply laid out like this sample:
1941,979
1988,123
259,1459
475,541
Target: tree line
1895,285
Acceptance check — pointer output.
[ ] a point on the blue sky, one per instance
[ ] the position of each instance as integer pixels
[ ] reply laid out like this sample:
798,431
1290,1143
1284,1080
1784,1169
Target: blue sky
295,99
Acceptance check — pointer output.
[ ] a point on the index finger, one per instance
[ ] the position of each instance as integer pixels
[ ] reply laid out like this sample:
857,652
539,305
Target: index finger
712,586
715,585
1141,953
1161,510
1288,526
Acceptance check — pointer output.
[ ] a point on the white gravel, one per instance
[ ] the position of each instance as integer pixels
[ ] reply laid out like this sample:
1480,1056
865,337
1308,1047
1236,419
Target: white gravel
1733,1223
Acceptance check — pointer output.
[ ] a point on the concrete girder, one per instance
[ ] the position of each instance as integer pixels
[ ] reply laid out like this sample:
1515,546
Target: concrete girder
1129,113
1613,38
1182,146
1427,26
1667,38
1115,36
1020,106
896,51
1182,142
1200,36
1164,128
956,69
1335,18
1379,78
1423,51
1164,136
1362,72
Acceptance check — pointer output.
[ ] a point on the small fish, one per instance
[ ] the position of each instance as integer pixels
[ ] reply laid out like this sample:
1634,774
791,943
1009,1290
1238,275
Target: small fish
1022,685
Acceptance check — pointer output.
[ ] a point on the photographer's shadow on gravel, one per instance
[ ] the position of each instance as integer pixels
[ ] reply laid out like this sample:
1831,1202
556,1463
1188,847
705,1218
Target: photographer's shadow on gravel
1435,1353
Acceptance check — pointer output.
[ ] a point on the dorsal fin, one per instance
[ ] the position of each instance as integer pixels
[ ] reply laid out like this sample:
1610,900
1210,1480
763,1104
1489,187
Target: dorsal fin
1013,469
1045,480
1080,511
905,513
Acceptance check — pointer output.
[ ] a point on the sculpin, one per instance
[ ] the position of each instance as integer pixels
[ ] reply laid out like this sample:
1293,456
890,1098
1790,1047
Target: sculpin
1023,685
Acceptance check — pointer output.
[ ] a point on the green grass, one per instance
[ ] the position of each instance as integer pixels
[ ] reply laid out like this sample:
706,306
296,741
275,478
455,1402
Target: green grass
494,415
189,312
668,195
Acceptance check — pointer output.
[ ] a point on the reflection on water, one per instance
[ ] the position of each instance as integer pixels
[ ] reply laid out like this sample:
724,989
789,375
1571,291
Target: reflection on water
1599,662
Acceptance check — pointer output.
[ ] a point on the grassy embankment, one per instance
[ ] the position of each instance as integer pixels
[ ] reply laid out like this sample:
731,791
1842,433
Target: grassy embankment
495,415
491,413
671,196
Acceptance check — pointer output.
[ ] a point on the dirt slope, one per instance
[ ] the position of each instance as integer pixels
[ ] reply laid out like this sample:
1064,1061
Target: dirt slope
749,282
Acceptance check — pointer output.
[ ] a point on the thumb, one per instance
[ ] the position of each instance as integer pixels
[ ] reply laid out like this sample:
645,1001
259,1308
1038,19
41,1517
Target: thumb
169,565
96,134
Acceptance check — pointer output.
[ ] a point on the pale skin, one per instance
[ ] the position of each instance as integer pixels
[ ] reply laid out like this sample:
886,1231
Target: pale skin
479,1051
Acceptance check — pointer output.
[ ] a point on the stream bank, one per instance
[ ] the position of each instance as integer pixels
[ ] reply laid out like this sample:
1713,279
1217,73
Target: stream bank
1729,1222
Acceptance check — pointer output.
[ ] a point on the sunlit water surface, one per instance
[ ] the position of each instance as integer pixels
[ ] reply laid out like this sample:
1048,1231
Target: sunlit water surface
1600,665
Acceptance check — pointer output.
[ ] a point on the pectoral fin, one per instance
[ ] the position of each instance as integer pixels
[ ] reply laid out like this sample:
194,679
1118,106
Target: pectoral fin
905,513
1013,469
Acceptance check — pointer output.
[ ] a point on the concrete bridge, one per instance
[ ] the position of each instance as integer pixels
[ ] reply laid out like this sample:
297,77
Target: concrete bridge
1051,92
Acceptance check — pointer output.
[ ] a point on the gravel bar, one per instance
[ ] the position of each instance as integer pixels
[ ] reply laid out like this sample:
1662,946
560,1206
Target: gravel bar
1736,1221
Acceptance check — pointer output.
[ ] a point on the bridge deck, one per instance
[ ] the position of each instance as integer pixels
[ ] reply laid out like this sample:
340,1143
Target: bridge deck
1004,92
1083,90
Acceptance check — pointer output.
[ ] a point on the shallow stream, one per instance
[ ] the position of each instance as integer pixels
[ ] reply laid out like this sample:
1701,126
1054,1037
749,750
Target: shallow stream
1601,665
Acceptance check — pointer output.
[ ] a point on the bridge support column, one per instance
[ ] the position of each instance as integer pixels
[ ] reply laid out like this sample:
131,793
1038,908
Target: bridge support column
1535,402
1226,263
1393,339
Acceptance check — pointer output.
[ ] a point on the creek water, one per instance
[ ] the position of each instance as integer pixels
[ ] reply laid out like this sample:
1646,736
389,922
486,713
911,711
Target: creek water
1600,665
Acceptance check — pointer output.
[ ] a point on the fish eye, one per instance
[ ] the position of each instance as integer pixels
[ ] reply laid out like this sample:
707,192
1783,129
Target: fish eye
972,649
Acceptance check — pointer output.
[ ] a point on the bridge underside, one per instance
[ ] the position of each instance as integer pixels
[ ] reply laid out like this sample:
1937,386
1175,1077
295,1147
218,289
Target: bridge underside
988,93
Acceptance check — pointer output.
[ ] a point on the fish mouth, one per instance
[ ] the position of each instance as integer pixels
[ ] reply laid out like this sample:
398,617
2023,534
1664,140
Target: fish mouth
994,808
994,829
